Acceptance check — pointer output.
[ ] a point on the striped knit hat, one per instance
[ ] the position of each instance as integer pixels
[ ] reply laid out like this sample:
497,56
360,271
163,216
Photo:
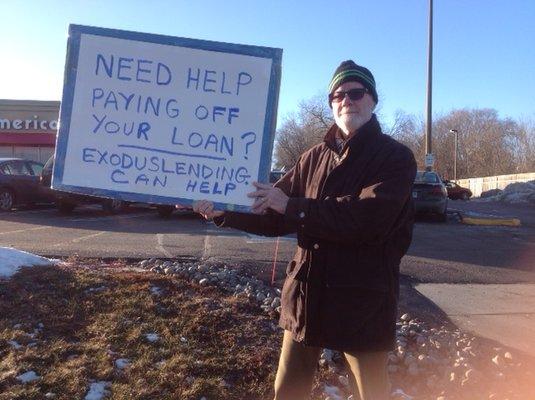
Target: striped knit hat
349,71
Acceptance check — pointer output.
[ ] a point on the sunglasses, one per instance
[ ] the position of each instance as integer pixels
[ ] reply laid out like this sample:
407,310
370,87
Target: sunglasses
354,94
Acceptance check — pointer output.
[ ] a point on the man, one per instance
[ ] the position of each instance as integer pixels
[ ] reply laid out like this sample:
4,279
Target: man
349,200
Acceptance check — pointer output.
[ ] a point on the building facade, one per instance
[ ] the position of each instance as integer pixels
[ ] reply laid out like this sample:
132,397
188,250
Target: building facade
28,128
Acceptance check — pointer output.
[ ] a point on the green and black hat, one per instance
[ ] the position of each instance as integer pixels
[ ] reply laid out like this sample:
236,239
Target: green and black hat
349,71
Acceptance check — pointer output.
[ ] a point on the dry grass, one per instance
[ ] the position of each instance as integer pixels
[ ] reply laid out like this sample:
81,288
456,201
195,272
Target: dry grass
209,344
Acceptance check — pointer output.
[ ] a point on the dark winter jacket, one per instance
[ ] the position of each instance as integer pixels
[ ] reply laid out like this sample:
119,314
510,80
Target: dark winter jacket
352,212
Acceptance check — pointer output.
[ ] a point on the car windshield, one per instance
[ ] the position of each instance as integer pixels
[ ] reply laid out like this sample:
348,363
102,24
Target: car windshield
426,177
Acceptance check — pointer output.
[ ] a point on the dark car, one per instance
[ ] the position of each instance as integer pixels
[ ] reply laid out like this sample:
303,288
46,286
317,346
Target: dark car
66,201
429,194
19,183
456,192
165,210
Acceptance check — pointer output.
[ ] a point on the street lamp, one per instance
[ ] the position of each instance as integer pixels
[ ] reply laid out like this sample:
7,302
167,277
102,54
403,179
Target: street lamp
429,125
456,133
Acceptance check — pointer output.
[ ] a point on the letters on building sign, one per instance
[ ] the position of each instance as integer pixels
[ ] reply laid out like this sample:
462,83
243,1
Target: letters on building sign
28,124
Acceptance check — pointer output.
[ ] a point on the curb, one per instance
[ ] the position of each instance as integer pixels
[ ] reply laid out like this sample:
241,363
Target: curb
491,221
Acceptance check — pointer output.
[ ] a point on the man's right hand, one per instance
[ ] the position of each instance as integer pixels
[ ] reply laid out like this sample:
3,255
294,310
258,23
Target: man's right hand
206,209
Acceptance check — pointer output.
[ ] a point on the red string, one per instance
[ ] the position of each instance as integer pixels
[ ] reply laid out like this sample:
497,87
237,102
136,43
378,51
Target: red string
275,262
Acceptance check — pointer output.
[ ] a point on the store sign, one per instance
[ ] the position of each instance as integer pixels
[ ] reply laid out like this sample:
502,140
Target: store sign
169,120
28,124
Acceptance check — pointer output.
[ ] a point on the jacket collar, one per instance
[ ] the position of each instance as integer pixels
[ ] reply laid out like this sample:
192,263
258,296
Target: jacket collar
367,131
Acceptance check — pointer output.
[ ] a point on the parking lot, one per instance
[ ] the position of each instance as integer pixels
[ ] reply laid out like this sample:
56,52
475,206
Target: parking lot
440,252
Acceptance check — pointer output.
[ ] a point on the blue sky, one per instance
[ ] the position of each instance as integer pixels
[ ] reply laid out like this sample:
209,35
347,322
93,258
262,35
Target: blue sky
484,50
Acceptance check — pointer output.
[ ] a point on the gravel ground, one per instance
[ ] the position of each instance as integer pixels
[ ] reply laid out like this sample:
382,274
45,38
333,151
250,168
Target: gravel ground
432,360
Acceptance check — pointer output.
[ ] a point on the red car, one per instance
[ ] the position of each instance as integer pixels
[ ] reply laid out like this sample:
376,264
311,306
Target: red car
456,192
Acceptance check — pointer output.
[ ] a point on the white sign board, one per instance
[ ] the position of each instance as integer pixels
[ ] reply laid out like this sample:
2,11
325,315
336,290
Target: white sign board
166,120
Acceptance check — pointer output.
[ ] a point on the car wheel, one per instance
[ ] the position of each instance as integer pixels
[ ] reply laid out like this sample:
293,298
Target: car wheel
65,207
465,196
7,200
113,206
165,211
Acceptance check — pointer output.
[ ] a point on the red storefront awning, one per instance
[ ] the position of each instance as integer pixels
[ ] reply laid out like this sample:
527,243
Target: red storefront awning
27,139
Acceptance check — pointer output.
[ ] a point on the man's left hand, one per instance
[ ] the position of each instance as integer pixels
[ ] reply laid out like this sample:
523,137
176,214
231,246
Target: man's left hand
268,196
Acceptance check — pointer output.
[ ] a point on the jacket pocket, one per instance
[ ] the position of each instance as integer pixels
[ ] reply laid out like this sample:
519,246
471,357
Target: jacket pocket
362,266
294,268
290,268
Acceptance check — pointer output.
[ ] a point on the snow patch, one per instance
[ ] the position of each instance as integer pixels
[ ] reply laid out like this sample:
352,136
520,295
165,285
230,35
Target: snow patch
155,290
12,259
96,289
29,376
14,344
152,337
401,395
333,392
514,193
122,363
97,390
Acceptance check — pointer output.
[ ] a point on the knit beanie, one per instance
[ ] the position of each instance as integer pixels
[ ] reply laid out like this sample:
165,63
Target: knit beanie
349,71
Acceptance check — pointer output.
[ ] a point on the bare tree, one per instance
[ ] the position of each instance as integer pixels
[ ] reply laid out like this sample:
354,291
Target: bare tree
525,146
488,145
408,130
302,131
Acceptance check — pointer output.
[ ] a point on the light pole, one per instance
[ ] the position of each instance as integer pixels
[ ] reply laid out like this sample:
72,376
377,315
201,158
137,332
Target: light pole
429,124
456,133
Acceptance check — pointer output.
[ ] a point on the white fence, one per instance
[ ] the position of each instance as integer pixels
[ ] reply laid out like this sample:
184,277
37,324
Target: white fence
478,185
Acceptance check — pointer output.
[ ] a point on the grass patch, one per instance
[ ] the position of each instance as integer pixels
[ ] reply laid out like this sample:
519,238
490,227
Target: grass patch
71,323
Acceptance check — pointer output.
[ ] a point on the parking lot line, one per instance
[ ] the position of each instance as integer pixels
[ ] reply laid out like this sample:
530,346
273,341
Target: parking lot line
80,239
207,247
160,246
25,230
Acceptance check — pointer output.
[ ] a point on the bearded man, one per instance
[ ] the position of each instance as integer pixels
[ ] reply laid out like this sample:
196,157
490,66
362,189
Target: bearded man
349,201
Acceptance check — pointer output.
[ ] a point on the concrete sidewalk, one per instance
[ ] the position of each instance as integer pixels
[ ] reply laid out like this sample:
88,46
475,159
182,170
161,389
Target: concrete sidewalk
504,313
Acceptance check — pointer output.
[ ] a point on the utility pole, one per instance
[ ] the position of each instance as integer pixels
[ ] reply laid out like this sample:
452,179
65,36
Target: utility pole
429,159
456,133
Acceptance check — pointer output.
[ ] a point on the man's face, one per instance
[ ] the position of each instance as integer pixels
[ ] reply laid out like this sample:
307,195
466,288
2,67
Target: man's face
349,114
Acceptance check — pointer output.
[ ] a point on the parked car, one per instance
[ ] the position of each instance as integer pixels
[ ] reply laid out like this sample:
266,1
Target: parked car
66,202
456,192
19,183
429,194
165,210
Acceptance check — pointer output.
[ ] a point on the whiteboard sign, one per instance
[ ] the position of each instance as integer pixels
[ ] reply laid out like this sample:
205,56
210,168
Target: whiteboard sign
167,120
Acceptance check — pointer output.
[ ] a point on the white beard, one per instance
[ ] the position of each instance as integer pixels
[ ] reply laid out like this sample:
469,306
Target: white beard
349,123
